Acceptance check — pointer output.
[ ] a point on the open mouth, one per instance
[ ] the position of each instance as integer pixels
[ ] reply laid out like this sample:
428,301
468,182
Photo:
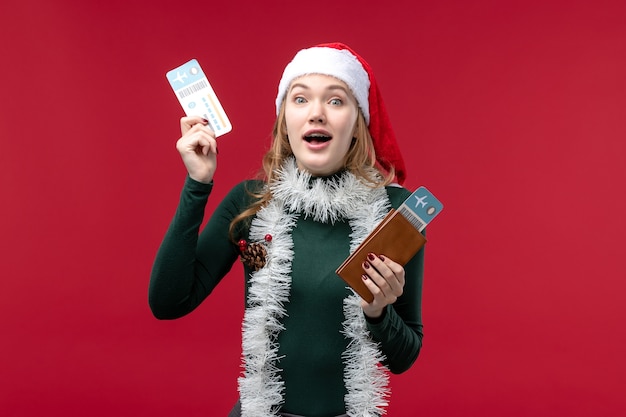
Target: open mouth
314,138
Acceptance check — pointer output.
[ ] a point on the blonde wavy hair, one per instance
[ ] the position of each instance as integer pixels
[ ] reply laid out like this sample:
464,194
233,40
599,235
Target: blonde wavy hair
360,161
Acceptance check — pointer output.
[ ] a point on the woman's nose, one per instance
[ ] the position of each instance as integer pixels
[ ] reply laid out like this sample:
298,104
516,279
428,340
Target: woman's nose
317,114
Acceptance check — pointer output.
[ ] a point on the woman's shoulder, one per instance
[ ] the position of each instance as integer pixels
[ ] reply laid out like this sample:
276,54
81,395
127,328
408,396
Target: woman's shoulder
254,186
397,194
246,191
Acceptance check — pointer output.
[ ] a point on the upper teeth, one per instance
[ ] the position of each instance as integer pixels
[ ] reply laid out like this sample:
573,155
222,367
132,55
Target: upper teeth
317,135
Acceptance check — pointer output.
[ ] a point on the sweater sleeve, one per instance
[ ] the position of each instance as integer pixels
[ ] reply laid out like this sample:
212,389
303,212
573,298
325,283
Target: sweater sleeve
188,266
399,332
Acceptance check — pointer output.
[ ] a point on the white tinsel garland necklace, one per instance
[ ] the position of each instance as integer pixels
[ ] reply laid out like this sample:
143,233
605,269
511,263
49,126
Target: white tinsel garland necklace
296,193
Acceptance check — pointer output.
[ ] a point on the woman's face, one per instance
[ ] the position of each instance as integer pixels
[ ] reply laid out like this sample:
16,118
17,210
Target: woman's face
320,114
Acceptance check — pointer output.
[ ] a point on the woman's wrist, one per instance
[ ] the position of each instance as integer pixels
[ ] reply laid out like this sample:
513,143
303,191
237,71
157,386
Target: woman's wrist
375,317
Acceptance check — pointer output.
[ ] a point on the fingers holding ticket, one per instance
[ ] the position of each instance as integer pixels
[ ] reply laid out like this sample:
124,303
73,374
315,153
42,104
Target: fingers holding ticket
198,148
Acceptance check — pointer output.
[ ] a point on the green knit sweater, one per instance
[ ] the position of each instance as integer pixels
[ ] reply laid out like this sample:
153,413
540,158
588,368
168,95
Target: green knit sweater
189,265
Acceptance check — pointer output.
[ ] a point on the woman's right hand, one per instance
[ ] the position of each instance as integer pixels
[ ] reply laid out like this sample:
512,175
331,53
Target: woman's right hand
198,148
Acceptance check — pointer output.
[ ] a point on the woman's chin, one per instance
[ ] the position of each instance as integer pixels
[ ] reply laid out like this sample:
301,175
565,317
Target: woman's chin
319,168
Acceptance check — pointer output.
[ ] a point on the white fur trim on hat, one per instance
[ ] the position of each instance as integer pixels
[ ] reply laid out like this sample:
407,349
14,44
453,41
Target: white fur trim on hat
338,63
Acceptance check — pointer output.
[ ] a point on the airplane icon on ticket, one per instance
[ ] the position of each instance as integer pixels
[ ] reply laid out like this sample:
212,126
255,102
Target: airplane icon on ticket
421,200
180,77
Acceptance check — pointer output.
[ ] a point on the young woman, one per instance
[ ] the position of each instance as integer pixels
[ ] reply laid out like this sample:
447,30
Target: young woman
311,346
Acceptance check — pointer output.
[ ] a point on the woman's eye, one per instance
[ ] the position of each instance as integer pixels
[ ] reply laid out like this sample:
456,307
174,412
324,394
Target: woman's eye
336,102
299,100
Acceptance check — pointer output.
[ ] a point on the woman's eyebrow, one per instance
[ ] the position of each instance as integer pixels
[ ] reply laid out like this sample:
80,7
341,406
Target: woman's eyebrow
337,87
306,87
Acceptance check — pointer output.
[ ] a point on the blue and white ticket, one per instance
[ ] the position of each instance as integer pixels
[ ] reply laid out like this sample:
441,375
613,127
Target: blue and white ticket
420,208
196,96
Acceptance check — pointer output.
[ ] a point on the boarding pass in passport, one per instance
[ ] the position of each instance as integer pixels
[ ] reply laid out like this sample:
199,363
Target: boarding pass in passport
196,96
398,236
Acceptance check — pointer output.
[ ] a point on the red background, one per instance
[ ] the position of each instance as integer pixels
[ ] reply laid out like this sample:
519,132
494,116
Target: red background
512,113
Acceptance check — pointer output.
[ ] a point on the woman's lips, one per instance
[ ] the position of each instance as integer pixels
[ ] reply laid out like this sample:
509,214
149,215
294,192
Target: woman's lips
316,144
317,137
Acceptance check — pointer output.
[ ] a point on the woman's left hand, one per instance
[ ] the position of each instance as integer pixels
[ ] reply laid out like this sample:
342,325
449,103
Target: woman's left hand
385,280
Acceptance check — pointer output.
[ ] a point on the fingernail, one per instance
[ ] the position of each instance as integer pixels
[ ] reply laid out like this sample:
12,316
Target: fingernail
381,257
364,277
366,265
205,121
371,256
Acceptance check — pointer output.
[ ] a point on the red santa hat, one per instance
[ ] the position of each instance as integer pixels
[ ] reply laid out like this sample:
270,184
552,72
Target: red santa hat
341,62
